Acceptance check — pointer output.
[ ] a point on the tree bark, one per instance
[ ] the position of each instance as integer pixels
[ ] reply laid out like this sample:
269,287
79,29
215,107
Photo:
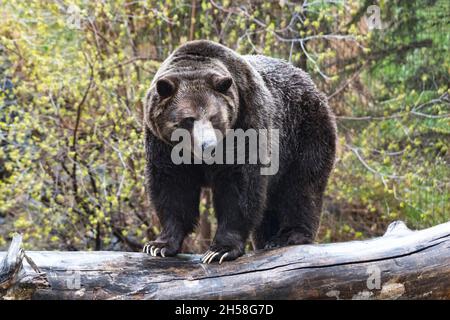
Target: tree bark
403,264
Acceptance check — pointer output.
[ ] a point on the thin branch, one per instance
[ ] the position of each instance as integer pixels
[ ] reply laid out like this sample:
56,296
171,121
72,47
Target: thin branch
75,130
355,150
413,111
339,90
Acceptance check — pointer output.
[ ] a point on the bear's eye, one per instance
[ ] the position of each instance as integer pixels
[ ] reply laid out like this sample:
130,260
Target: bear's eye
216,118
165,87
223,84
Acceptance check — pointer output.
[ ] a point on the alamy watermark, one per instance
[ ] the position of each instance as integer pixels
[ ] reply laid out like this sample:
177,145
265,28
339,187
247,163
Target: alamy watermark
254,147
73,16
374,279
373,18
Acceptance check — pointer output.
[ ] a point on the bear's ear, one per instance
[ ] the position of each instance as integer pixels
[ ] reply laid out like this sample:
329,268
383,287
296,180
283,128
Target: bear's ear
222,84
165,87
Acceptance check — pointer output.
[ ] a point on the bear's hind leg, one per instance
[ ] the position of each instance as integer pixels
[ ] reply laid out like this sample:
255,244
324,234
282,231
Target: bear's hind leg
298,204
267,229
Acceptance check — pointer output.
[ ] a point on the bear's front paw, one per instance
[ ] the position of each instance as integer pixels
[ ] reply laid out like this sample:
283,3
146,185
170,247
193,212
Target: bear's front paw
160,248
222,253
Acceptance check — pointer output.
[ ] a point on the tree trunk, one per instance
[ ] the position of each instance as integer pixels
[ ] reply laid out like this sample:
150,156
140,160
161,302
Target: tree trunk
403,264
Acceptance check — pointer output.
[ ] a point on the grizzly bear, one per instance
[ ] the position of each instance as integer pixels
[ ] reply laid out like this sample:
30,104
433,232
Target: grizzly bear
206,87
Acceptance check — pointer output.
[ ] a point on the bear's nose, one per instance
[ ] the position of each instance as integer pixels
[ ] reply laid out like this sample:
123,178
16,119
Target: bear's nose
204,136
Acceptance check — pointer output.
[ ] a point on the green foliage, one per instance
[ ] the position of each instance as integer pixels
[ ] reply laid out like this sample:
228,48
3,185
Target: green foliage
401,130
71,156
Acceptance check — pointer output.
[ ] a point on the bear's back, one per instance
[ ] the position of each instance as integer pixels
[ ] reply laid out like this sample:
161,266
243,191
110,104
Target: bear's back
282,76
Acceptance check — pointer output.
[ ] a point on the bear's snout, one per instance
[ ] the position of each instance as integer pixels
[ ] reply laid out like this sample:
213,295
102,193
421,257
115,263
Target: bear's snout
204,137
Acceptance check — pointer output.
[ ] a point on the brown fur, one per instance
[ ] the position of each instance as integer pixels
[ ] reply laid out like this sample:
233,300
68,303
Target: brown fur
265,93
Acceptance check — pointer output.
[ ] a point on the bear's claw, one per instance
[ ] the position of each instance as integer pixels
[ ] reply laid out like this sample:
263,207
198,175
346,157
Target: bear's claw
157,249
210,256
220,254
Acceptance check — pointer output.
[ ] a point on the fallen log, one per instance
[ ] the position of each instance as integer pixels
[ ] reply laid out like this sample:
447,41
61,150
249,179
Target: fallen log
402,264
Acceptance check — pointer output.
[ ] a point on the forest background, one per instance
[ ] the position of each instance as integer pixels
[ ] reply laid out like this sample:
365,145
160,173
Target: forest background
73,75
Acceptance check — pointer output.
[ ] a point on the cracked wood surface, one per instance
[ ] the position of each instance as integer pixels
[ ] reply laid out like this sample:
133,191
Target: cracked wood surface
403,264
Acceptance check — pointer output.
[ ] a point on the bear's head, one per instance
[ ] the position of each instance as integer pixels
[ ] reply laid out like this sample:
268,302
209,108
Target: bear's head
198,96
